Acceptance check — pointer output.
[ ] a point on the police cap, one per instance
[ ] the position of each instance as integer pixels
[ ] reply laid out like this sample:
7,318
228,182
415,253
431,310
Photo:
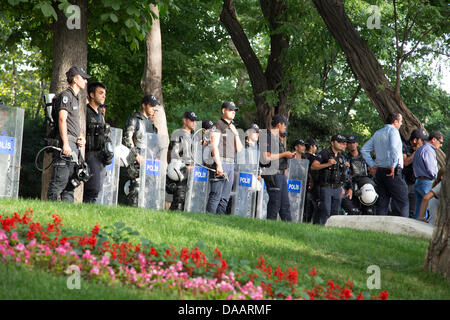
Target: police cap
150,99
352,139
253,126
207,124
338,138
279,118
311,142
190,115
75,70
418,133
230,106
298,142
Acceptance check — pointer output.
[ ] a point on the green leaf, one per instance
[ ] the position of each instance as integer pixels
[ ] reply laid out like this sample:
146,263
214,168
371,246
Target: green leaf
200,244
113,17
13,2
48,10
119,225
129,23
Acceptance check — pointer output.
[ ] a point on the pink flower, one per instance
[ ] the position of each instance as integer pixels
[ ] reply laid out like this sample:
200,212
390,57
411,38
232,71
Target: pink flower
3,236
95,270
32,243
14,236
104,261
20,247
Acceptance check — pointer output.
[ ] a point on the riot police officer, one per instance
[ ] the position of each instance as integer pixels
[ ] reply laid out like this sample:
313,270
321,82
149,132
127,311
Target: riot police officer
312,191
274,164
359,175
332,168
99,151
66,114
138,125
181,160
225,142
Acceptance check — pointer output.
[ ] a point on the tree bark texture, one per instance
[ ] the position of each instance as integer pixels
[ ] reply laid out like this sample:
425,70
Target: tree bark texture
366,68
272,79
69,49
151,83
438,253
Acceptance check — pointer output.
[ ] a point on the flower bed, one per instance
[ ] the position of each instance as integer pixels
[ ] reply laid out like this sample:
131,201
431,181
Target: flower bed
107,256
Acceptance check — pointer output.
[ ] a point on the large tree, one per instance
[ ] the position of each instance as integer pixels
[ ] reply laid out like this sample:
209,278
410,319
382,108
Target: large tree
272,78
69,49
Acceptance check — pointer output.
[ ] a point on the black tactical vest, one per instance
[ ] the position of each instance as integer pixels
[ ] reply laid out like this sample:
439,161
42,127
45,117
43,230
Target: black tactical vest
95,130
334,174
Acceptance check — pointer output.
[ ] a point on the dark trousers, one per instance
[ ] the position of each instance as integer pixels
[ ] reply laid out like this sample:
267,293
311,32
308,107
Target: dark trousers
311,213
278,203
95,183
179,196
330,202
220,190
60,187
391,188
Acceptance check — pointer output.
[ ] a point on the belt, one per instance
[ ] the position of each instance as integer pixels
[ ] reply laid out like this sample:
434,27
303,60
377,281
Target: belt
424,178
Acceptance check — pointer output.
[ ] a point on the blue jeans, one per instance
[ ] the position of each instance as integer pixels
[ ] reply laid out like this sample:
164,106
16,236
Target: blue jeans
421,187
220,190
330,202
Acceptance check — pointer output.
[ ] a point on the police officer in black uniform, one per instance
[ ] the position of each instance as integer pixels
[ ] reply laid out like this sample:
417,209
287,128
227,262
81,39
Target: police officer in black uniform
99,151
312,191
138,125
333,177
359,175
68,136
274,163
180,151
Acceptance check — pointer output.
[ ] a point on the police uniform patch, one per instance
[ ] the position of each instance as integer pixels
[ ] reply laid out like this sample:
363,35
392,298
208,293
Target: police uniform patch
213,128
65,99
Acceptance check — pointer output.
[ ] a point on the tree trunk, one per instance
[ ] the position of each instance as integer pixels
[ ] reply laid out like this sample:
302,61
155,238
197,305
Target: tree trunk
370,75
151,83
272,79
69,49
438,253
366,68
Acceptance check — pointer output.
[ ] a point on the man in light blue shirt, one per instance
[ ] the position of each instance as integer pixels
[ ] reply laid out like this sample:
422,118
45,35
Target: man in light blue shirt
387,167
425,167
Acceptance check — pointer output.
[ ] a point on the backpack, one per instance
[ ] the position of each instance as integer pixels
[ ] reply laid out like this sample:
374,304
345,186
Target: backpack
51,123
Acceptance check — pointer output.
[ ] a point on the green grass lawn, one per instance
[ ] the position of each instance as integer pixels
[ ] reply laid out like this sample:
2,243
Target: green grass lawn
337,253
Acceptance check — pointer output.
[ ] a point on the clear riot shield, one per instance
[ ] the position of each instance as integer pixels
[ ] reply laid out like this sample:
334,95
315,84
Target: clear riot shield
11,132
198,176
108,194
152,176
262,200
246,183
298,175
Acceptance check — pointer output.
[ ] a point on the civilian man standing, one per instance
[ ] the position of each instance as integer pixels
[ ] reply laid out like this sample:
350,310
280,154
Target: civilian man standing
225,143
425,167
387,168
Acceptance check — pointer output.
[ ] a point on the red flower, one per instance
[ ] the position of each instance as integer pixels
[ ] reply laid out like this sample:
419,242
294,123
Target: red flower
313,272
383,295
